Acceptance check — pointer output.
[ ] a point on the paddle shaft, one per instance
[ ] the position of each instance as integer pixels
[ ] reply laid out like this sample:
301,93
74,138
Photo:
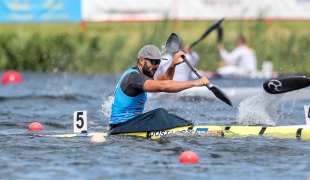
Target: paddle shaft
202,37
173,45
194,43
193,69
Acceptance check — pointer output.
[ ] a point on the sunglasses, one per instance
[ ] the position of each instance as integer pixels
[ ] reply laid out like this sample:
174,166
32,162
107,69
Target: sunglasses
154,61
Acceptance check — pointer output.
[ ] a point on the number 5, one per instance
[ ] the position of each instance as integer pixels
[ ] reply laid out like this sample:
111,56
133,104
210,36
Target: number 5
80,121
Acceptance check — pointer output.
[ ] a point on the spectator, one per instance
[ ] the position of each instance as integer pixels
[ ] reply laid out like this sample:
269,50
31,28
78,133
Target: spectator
240,62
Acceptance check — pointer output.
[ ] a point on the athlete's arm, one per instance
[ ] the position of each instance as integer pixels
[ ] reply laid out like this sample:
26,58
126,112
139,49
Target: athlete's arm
172,86
132,84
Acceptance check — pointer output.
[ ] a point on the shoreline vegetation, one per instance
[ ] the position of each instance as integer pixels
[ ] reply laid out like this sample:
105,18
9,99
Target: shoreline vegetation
112,47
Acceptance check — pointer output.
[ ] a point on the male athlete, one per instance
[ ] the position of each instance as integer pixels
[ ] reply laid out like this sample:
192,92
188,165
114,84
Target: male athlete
131,91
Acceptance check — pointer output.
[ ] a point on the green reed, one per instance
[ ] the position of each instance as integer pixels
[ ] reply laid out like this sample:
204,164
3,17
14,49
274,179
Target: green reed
113,47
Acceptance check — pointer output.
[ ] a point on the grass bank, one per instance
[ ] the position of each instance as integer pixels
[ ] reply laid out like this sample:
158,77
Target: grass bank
112,47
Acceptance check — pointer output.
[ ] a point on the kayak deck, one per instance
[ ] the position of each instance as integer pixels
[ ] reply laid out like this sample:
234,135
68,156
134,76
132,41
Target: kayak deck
296,132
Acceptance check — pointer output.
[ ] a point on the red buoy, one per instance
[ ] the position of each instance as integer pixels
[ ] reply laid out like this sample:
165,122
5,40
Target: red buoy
12,77
188,157
35,126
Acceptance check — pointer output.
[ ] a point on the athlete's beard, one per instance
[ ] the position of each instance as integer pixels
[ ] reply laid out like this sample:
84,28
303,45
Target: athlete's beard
147,70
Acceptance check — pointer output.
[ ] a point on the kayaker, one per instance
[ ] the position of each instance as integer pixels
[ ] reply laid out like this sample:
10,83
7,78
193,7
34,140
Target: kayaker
241,61
131,91
182,71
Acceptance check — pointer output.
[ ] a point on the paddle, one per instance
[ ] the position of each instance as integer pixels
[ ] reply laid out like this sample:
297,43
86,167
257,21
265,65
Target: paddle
212,27
219,34
174,45
285,84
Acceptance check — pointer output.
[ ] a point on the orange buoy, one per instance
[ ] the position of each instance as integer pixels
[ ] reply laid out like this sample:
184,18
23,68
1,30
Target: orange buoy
97,138
35,126
188,157
12,77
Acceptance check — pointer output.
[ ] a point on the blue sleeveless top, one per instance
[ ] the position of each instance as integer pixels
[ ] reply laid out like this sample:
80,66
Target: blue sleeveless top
125,107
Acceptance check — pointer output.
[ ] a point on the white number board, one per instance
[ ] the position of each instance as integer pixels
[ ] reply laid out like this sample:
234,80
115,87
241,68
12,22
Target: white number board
80,121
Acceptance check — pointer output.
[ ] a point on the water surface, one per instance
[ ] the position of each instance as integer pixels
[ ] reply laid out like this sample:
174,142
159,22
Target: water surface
51,100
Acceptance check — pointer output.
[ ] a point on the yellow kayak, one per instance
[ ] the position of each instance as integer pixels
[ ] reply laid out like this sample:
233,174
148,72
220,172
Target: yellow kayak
295,132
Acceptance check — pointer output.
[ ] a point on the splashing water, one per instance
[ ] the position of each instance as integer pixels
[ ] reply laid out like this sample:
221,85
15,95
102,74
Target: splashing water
261,109
163,50
106,106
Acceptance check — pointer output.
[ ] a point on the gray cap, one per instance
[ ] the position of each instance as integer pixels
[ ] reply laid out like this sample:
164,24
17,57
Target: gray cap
150,52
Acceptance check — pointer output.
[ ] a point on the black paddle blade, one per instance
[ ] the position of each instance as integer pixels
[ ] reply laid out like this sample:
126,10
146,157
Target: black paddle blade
285,84
174,43
221,95
211,28
219,34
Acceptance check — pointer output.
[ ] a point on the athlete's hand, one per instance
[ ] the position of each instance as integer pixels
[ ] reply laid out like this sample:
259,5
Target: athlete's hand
202,81
177,58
